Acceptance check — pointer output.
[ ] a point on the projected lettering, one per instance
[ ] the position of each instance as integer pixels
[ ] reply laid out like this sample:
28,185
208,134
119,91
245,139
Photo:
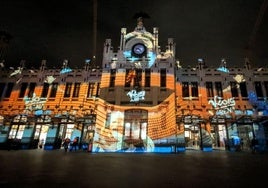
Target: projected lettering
223,106
136,96
34,104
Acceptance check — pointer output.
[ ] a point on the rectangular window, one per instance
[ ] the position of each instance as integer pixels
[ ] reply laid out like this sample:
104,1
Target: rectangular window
45,90
234,89
138,78
108,120
23,88
2,88
218,87
185,89
194,89
76,90
163,78
98,89
90,89
130,74
258,88
112,77
54,89
68,88
243,89
9,89
31,89
266,88
147,77
209,88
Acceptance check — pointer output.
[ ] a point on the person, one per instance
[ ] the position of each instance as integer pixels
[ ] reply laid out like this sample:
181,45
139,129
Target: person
241,144
254,143
74,144
41,143
66,144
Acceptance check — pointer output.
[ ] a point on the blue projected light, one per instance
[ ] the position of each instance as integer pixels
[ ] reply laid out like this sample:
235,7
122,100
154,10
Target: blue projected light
127,54
87,61
38,112
65,70
151,57
223,69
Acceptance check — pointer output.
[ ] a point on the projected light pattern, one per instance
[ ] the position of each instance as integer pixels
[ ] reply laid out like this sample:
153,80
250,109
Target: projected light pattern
151,57
65,70
17,71
50,79
136,96
120,129
258,104
223,69
34,104
222,106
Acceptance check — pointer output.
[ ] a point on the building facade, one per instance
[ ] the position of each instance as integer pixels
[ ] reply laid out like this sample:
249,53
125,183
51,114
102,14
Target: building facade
141,100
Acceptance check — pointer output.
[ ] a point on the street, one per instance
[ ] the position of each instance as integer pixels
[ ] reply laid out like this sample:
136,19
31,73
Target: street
40,168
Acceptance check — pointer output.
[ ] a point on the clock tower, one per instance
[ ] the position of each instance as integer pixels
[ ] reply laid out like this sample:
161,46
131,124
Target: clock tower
137,91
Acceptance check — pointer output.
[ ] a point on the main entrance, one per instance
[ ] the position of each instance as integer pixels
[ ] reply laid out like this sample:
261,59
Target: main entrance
135,129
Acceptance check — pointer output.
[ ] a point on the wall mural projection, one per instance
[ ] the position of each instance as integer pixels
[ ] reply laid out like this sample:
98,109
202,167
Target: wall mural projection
35,105
136,96
120,129
141,100
222,106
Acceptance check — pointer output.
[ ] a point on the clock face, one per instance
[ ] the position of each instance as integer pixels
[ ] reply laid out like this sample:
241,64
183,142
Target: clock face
138,49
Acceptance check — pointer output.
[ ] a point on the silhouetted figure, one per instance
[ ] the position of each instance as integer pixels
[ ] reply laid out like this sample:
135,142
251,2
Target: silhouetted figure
74,144
254,143
66,143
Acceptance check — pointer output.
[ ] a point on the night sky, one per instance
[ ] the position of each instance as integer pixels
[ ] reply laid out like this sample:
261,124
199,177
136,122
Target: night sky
213,29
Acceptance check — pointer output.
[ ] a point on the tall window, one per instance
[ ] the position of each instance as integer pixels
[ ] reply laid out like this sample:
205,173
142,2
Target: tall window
243,89
9,89
147,77
209,88
234,89
76,90
90,89
258,88
218,88
130,74
108,120
266,88
98,89
54,88
194,89
2,87
31,89
138,78
185,89
23,88
112,77
45,90
68,87
163,78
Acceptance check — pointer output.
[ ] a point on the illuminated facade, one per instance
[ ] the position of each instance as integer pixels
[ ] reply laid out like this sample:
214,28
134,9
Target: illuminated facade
141,100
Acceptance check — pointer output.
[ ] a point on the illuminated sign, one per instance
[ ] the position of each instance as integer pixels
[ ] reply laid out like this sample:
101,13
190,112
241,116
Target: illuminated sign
222,106
136,96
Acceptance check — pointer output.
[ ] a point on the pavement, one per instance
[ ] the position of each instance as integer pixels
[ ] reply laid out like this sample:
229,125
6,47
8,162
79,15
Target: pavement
42,168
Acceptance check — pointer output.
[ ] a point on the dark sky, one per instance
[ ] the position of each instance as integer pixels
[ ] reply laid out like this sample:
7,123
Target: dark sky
212,29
